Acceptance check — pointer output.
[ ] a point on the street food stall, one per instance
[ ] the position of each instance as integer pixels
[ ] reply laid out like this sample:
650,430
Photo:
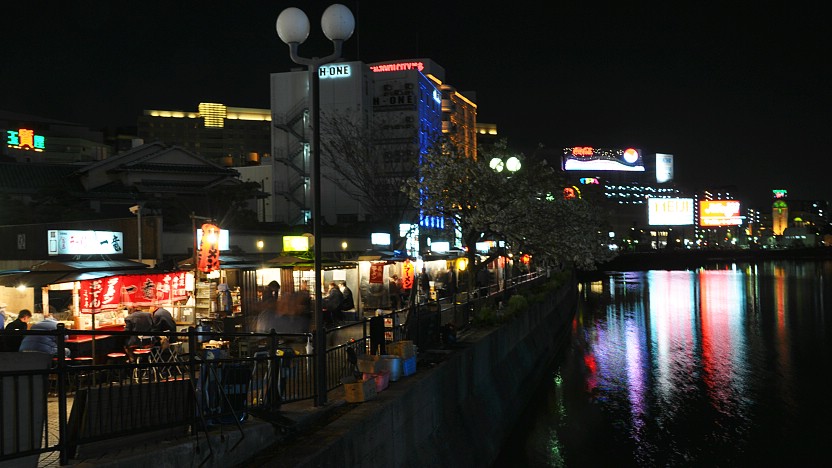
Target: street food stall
376,269
90,295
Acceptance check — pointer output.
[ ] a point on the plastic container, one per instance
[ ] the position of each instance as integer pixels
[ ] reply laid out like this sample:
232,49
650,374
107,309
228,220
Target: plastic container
392,364
382,380
409,366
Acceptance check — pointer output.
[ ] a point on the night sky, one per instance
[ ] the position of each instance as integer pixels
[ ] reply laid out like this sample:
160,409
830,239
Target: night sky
740,96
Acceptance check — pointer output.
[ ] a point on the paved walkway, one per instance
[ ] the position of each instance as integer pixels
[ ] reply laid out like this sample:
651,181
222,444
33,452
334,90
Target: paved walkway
145,451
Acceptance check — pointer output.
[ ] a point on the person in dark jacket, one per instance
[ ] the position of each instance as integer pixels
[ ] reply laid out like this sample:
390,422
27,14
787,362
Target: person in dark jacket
42,343
13,333
163,320
348,303
137,321
332,303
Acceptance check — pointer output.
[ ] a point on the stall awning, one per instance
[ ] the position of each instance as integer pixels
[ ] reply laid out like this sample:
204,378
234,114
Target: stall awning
55,272
306,261
31,279
381,256
228,262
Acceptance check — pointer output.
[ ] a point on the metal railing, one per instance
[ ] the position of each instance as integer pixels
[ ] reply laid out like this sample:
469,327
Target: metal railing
195,379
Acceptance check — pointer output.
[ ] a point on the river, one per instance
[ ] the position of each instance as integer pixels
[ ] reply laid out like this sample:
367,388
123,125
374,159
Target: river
724,365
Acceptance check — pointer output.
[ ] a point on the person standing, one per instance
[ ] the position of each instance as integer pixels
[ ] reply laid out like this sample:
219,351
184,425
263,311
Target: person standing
395,291
14,332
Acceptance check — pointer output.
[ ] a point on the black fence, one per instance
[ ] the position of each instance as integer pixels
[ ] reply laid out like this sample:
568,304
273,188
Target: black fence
192,380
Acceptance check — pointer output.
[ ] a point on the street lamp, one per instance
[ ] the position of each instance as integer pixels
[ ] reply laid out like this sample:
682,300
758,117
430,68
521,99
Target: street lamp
512,165
137,210
292,26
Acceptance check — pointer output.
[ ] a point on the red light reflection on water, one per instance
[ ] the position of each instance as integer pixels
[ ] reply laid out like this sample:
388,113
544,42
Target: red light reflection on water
721,305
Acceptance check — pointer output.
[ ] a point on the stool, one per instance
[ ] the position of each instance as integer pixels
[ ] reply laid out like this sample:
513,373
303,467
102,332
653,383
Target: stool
53,375
82,376
116,359
142,357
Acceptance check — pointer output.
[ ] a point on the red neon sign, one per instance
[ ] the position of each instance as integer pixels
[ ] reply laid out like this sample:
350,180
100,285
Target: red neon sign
401,66
582,151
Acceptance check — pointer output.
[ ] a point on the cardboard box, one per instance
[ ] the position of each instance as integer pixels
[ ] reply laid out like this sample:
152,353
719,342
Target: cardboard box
369,364
360,391
382,380
405,349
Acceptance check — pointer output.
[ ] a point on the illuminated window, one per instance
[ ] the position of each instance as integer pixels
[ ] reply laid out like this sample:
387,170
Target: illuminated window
214,114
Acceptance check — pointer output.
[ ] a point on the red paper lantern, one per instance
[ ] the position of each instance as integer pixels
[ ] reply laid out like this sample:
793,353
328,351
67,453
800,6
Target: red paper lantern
209,249
407,275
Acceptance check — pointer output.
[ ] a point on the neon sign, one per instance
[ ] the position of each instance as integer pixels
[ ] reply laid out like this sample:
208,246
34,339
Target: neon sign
25,139
571,193
402,66
84,242
719,213
587,158
669,211
589,181
334,71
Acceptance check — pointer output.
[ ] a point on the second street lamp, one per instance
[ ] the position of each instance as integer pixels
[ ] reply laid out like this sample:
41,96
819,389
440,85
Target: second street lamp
512,164
292,26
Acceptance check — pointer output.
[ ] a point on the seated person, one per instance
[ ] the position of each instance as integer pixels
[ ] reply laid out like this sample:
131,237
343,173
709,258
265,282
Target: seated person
348,303
332,304
13,334
163,322
138,321
43,343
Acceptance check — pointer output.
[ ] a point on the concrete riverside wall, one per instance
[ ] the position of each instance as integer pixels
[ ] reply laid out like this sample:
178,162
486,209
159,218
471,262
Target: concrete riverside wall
457,413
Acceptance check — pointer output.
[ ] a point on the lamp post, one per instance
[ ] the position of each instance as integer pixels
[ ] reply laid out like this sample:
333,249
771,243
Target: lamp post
512,165
292,26
137,210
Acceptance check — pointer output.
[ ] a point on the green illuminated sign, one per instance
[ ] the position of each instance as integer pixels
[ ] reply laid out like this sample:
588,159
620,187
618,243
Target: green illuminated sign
25,139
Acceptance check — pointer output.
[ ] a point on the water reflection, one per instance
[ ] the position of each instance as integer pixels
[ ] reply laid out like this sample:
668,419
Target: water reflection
717,367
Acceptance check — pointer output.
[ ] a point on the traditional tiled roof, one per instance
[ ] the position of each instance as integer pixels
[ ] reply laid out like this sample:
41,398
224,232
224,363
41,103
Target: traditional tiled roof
17,178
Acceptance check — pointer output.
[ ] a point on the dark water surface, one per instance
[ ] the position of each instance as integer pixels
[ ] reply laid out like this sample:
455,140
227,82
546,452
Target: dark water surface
726,365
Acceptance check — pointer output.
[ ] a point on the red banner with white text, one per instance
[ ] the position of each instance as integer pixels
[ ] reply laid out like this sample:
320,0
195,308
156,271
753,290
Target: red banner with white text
140,290
377,273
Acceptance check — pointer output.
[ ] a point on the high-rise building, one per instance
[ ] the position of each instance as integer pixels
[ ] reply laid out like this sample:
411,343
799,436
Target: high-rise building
398,108
231,136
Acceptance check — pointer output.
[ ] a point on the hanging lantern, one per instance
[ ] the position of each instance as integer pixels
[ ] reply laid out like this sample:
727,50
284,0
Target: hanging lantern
209,249
407,275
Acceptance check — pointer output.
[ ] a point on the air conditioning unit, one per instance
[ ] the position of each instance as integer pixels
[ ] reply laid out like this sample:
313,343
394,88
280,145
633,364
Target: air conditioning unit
409,118
408,86
388,87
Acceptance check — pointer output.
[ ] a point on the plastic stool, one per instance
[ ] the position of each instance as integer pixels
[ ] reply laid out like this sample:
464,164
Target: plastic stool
53,376
82,376
116,359
142,356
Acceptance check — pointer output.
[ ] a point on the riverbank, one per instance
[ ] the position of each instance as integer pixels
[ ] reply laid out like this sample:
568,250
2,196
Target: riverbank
456,411
686,259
